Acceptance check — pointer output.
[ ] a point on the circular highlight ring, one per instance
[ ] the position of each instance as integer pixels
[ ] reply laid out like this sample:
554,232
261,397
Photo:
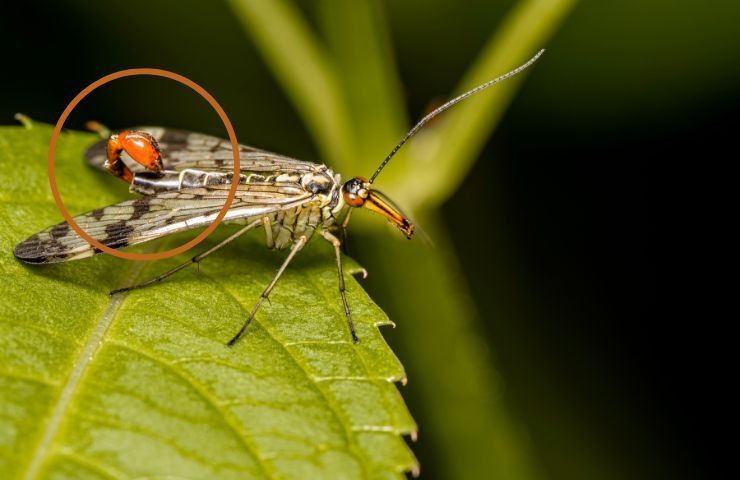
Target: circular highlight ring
157,73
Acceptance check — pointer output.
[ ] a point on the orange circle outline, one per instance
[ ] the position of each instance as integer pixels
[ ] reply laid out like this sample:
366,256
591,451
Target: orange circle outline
157,73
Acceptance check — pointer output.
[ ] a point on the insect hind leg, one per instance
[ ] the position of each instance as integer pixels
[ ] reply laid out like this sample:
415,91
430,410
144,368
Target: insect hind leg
195,259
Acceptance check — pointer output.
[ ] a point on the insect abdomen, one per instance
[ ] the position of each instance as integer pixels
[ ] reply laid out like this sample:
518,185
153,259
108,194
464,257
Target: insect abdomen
289,225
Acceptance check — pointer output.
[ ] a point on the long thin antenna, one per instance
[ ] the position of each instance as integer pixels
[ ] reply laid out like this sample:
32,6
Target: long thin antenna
449,104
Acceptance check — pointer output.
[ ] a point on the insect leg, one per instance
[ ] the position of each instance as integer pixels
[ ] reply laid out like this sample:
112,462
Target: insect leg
297,246
345,221
269,240
337,251
195,259
343,230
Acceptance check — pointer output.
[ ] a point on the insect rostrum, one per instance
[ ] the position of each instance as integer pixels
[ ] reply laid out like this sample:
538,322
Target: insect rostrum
184,178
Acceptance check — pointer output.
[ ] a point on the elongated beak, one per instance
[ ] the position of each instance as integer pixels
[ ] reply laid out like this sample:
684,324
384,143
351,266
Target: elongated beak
378,203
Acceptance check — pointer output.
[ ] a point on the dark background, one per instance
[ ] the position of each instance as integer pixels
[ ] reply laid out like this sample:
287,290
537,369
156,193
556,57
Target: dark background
568,222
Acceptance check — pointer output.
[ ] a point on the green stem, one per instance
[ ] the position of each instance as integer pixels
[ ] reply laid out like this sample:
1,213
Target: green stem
457,394
304,70
357,34
446,152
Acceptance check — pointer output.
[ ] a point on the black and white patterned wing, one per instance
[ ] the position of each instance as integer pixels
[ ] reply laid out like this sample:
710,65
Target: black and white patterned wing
138,221
182,149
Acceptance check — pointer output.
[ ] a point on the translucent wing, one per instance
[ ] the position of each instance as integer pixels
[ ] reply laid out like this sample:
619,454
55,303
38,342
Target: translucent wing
182,149
137,221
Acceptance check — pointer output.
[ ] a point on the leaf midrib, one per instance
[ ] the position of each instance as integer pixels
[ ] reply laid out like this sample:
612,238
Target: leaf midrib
83,360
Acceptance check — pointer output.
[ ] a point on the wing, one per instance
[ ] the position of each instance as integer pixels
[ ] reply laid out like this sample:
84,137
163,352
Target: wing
182,149
137,221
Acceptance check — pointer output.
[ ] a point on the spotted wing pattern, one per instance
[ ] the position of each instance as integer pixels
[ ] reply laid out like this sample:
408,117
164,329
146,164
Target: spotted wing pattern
137,221
182,149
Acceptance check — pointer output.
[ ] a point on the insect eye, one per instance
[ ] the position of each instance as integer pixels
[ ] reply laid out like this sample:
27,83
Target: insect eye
354,193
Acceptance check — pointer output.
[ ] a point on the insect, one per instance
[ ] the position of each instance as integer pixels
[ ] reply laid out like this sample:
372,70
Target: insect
184,178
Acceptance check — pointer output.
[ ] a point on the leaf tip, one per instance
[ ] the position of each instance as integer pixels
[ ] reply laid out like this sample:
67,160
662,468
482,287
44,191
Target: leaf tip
24,120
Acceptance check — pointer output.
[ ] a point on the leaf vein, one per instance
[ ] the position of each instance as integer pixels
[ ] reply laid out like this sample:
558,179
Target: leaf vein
200,390
143,398
28,378
92,464
334,409
43,330
153,434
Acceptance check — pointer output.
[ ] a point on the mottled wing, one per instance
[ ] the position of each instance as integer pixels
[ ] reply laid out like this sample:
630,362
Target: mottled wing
182,149
137,221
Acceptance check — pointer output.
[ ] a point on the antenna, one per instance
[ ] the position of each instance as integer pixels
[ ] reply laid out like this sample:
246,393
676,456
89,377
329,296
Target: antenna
449,104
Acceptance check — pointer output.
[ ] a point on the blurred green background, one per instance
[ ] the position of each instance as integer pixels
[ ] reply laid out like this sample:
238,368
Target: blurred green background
531,329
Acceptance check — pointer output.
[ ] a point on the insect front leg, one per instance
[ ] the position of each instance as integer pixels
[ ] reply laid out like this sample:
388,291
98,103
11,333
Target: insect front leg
343,230
269,240
297,246
338,253
195,259
345,221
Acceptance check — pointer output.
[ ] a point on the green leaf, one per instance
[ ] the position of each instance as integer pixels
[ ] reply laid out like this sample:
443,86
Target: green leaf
142,385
